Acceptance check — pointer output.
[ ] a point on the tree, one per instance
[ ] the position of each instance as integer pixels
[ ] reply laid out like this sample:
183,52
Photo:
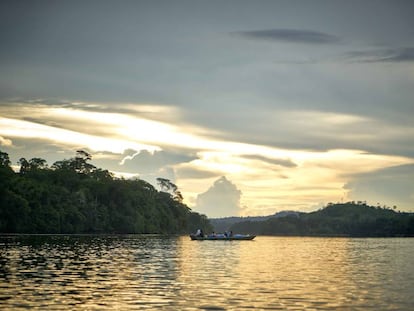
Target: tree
24,166
31,165
167,185
84,155
341,219
78,164
6,172
76,197
4,160
37,164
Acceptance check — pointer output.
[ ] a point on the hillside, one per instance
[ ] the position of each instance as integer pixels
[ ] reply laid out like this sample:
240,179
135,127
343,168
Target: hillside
73,196
346,219
223,224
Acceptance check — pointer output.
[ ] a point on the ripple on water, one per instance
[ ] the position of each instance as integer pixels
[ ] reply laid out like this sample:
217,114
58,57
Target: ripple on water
174,273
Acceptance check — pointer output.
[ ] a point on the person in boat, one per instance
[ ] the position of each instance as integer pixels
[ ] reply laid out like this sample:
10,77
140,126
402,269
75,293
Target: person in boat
199,233
228,234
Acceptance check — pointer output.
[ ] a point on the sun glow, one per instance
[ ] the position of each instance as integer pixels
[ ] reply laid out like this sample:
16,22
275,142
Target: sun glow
30,130
268,177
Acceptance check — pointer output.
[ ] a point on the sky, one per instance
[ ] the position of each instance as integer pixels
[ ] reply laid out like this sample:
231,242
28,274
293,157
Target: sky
249,107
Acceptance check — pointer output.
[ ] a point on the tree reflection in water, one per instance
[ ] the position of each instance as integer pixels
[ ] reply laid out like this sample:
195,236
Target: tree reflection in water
174,273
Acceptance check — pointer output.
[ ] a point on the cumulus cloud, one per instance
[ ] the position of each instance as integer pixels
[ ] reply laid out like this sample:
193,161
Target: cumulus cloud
148,166
148,77
5,142
220,200
142,164
144,161
291,35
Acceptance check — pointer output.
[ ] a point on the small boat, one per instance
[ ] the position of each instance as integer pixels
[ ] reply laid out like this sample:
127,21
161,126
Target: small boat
222,237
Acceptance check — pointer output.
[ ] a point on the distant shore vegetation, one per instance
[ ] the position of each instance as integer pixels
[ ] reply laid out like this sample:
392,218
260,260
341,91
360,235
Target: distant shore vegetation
351,219
74,196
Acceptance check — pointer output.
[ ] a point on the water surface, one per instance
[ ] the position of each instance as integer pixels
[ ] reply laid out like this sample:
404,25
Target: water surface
173,273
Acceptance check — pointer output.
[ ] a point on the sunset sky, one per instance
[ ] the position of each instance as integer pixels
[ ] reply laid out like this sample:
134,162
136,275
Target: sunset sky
249,107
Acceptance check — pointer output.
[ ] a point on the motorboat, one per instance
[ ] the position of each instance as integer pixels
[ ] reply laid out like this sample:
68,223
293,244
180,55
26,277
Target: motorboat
222,237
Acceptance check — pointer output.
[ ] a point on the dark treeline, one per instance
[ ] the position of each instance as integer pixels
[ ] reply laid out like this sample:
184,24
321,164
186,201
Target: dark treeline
223,224
74,196
344,219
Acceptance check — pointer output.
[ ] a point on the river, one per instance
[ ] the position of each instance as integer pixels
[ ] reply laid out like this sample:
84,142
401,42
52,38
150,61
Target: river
139,272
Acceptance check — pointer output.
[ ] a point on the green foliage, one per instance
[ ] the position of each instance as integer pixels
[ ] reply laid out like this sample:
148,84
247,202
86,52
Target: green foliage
4,160
347,219
73,196
167,185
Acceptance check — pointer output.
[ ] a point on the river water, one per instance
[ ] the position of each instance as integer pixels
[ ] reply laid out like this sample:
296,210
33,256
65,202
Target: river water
137,272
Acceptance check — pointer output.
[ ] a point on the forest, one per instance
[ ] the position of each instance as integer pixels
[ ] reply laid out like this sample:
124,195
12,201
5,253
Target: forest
74,196
353,219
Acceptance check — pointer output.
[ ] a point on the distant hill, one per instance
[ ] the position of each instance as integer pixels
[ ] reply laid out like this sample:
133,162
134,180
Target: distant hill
224,224
345,219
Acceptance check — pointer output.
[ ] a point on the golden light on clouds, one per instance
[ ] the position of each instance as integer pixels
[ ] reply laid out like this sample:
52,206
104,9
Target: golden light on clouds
269,178
5,142
318,177
28,130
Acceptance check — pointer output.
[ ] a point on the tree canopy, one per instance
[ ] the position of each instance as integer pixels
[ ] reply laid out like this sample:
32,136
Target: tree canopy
355,219
74,196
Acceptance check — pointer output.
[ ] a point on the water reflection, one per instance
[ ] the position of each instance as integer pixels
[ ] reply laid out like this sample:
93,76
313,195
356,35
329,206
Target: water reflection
383,271
92,272
272,273
174,273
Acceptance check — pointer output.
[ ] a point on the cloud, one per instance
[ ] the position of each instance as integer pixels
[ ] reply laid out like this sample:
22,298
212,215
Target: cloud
390,186
29,130
152,111
145,162
142,164
41,148
328,130
254,157
291,35
194,173
5,142
279,162
389,55
221,199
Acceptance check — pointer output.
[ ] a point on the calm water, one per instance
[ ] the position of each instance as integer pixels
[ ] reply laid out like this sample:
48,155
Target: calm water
173,273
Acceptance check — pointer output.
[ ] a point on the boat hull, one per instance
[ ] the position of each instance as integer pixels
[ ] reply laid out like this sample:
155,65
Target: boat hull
221,238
